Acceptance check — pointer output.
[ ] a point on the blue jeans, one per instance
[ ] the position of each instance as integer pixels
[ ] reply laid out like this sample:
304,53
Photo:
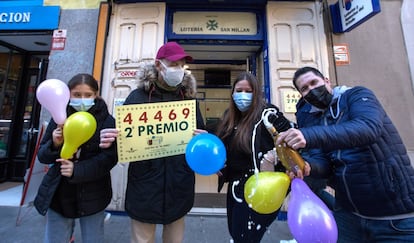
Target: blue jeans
60,229
352,228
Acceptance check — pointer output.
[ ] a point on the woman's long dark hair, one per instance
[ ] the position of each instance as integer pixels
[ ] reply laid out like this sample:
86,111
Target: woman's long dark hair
243,121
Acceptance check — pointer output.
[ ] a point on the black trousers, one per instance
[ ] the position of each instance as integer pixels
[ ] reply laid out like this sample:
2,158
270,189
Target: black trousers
244,224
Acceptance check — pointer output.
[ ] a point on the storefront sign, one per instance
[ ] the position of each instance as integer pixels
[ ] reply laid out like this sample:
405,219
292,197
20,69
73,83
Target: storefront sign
214,23
14,3
347,14
154,130
29,18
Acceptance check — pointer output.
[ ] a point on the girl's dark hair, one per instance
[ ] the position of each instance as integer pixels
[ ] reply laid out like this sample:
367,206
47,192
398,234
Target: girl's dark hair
83,78
244,121
304,70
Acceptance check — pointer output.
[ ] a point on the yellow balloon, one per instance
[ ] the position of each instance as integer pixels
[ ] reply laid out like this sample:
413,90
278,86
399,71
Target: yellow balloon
78,128
264,192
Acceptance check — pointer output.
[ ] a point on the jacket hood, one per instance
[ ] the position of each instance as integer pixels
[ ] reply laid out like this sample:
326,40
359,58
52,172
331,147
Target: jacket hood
147,75
337,92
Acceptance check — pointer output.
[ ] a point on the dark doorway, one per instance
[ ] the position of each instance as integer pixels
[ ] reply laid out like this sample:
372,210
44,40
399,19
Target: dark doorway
20,73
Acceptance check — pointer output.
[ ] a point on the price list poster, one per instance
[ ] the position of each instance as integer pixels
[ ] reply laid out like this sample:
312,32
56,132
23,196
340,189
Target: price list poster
154,130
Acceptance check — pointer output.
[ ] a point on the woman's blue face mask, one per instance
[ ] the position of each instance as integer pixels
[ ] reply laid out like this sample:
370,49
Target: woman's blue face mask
82,104
242,100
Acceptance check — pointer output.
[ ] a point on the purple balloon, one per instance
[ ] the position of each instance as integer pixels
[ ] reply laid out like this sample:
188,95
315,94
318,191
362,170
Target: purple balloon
309,219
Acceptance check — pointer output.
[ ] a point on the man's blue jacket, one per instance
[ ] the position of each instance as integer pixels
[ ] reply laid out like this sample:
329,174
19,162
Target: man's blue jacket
356,145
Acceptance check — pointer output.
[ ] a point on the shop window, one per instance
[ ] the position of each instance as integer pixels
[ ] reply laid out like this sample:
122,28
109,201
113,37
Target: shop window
217,77
10,71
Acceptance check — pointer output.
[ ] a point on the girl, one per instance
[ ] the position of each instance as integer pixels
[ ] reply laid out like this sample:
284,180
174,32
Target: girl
79,187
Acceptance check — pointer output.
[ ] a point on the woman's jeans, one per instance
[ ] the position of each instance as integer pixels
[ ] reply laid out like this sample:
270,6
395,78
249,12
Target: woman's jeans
60,229
352,228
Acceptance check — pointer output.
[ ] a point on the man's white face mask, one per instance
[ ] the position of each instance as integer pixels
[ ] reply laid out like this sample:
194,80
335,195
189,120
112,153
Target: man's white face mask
173,76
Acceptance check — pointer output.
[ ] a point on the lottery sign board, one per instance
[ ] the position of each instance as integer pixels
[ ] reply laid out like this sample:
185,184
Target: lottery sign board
154,130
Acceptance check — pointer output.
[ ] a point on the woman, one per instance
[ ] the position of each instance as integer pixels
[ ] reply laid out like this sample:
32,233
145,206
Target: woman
79,187
236,129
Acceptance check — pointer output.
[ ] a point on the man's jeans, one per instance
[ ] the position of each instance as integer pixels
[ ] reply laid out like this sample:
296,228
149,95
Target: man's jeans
60,229
352,228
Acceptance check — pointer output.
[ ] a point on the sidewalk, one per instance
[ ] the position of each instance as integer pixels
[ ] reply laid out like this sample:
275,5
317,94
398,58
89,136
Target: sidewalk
199,228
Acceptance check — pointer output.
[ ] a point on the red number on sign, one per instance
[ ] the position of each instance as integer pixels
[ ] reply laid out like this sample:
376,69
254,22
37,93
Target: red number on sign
158,116
172,115
186,112
144,117
128,119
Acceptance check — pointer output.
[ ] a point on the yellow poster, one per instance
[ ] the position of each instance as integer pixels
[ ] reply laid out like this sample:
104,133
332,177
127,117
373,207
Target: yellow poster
154,130
290,99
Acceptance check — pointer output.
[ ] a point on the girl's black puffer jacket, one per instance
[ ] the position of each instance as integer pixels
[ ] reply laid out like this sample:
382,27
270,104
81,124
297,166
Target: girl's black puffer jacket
89,189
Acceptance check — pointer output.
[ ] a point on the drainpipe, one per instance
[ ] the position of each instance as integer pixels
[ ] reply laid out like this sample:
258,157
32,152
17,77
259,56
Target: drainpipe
407,22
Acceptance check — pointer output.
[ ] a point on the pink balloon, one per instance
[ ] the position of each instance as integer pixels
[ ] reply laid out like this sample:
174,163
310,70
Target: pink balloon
309,219
54,95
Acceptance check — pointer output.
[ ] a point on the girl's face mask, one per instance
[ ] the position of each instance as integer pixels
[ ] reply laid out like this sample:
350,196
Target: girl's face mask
82,104
173,76
242,100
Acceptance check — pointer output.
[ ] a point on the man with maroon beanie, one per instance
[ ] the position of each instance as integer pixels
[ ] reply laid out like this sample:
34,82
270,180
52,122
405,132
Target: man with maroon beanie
160,190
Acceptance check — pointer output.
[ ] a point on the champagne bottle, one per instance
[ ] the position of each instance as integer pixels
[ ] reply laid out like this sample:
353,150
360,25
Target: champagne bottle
289,157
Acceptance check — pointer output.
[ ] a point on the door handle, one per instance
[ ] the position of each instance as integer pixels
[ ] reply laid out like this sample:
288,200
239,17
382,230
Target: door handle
32,130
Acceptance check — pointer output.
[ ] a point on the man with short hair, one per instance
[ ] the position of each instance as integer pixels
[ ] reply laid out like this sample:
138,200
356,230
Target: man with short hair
346,136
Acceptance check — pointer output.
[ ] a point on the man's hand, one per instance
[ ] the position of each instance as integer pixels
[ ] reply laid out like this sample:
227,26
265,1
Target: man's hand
108,136
299,173
293,138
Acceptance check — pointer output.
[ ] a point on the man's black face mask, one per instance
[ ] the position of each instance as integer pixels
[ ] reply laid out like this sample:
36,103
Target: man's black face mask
319,97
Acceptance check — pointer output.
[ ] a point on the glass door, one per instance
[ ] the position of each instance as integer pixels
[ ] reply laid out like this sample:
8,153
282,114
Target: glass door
10,65
27,117
29,130
20,72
